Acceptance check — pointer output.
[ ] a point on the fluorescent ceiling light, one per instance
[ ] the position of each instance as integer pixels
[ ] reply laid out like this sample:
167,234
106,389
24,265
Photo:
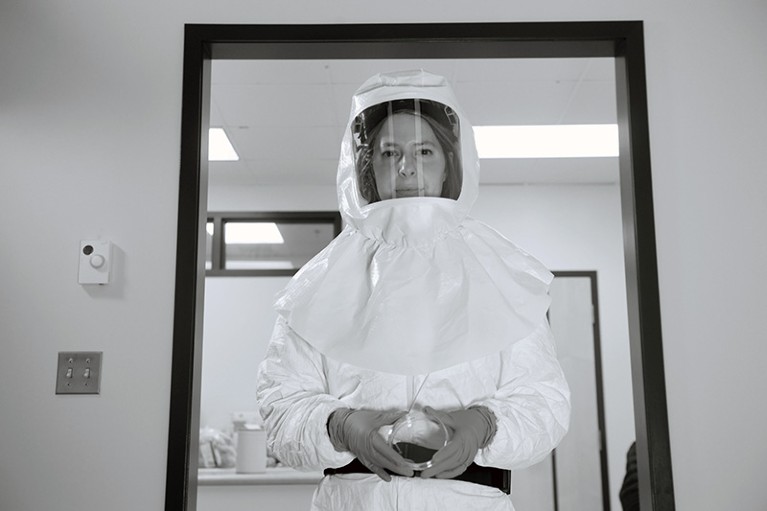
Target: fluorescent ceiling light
551,141
219,147
250,233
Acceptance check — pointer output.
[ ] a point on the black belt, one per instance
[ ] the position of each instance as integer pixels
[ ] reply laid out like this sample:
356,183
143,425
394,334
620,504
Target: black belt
487,476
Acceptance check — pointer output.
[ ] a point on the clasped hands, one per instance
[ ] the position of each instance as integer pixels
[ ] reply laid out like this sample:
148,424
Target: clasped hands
356,431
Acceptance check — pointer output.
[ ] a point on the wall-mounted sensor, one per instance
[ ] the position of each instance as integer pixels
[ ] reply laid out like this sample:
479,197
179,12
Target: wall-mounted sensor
95,262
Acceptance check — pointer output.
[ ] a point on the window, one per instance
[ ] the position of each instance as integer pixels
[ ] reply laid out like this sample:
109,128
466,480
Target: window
266,243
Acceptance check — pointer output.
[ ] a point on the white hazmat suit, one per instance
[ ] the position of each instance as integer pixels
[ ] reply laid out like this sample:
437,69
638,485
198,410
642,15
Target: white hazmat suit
413,305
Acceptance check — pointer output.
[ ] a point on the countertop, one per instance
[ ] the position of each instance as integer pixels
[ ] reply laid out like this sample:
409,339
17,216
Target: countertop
275,475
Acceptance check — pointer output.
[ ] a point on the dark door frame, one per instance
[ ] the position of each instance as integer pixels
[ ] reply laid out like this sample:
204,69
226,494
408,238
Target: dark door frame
592,276
623,40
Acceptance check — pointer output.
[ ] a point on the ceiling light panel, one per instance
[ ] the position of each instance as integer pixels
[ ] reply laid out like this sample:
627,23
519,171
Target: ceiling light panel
219,146
252,233
550,141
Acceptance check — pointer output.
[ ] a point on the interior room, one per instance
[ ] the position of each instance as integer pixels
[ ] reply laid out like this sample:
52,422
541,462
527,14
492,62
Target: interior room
566,210
90,131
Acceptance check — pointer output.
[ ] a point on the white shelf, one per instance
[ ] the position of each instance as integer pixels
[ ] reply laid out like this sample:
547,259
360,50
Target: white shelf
277,475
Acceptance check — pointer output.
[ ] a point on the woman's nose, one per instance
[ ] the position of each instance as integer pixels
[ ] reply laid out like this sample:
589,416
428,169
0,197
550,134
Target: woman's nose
407,167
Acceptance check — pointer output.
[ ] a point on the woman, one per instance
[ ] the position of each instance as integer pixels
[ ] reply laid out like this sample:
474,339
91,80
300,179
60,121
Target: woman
414,306
382,133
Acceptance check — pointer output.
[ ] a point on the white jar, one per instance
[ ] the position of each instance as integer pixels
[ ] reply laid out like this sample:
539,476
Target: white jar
251,450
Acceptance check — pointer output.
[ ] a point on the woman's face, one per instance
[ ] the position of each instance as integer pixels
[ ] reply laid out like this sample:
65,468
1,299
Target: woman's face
408,160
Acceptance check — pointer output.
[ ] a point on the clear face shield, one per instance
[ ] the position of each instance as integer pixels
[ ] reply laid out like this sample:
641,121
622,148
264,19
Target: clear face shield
407,148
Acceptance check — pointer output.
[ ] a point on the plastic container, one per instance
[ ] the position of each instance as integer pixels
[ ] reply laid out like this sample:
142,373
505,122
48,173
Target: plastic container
417,436
251,450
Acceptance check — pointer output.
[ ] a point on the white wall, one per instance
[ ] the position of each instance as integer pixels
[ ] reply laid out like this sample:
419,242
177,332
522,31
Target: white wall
239,316
90,102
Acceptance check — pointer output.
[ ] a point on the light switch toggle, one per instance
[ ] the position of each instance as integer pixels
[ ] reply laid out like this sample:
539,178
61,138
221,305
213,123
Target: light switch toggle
69,372
87,373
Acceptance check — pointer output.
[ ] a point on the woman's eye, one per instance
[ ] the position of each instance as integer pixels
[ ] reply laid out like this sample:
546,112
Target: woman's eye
425,152
388,153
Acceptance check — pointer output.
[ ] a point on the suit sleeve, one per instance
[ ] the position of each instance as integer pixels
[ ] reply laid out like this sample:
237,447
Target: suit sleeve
531,404
295,404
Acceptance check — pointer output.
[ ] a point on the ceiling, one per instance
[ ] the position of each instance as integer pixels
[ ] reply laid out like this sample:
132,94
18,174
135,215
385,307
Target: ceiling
286,118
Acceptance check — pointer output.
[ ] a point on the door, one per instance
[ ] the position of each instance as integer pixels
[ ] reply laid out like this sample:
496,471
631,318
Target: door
574,476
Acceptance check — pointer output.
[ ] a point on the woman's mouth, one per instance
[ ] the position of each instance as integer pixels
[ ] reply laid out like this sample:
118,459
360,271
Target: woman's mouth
408,192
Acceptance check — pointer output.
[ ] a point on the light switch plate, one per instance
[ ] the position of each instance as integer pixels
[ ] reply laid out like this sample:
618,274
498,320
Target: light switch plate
79,372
